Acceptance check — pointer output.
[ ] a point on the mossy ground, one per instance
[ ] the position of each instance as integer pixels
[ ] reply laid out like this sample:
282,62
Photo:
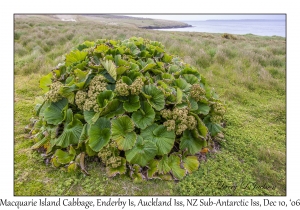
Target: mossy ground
248,73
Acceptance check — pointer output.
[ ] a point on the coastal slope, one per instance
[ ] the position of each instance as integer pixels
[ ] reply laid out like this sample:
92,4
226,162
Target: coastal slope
113,20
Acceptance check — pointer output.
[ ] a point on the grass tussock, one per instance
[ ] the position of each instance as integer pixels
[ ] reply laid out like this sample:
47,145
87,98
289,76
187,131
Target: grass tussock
248,72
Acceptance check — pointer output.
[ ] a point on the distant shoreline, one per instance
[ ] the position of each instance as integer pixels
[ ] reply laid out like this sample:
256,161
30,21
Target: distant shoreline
165,27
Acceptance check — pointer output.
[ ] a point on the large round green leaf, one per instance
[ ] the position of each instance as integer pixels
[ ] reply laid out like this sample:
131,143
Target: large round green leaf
72,131
101,48
81,76
134,72
126,80
41,142
190,163
122,132
191,143
113,108
65,157
152,168
121,126
99,134
214,128
142,152
163,165
53,114
88,116
136,173
182,84
173,69
75,56
190,78
68,92
45,82
134,50
190,102
154,96
144,116
85,45
111,172
89,150
132,104
84,133
41,107
127,141
120,62
104,97
147,65
174,163
202,109
179,95
69,116
110,68
201,127
163,139
188,70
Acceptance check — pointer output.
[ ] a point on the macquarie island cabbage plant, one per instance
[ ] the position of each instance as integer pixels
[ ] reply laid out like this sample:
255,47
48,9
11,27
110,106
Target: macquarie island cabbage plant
142,111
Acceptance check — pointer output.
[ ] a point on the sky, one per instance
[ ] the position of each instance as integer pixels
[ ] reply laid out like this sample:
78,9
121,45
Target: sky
212,17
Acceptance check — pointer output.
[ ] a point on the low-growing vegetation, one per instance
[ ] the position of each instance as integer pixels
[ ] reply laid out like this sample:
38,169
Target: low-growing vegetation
247,72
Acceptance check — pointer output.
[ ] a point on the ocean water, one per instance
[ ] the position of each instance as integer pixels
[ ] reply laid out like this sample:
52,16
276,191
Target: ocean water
256,27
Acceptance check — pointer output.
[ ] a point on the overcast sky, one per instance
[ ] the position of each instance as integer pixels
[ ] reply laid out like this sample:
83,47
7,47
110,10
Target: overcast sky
211,17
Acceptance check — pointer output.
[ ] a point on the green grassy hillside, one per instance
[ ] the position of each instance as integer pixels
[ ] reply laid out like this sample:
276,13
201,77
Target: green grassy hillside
248,72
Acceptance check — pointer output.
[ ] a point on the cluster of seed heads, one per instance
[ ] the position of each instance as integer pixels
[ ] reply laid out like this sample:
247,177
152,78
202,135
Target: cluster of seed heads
197,92
216,118
179,117
180,114
107,156
54,93
218,108
147,41
135,88
166,113
170,124
80,99
114,162
181,127
98,84
122,88
88,101
218,112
